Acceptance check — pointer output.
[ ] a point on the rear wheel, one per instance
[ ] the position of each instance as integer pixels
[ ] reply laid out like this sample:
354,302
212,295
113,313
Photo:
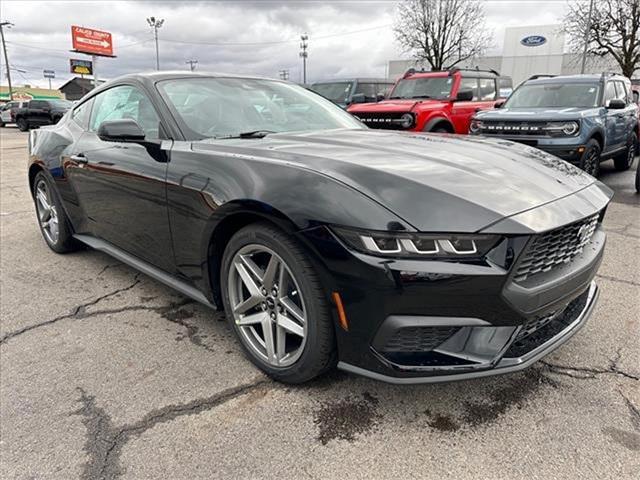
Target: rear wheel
590,160
624,161
52,219
638,178
276,305
22,124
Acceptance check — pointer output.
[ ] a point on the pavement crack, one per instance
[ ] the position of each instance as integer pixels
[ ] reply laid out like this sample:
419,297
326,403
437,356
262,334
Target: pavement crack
78,311
174,313
582,373
105,441
616,279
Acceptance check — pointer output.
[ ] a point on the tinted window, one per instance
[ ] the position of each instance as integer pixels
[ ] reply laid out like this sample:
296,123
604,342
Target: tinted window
81,114
550,95
609,93
423,87
505,87
370,91
38,104
226,107
487,89
337,92
60,103
123,102
636,96
470,84
621,91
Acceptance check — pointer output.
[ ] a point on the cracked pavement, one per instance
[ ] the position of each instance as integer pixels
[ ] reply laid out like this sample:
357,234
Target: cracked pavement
107,374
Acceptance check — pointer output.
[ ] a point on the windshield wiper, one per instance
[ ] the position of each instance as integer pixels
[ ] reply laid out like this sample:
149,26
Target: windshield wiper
255,134
421,96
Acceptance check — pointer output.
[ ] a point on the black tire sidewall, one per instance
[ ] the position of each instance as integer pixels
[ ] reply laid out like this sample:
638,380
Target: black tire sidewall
622,161
66,242
591,145
320,339
22,124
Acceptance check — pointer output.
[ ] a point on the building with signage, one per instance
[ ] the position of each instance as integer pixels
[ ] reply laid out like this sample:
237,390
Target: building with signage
527,51
26,93
77,87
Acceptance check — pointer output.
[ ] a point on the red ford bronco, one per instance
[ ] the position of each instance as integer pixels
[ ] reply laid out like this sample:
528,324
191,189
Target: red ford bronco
441,101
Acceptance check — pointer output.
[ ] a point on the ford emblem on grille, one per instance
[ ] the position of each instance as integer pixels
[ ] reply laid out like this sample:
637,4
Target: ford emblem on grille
583,233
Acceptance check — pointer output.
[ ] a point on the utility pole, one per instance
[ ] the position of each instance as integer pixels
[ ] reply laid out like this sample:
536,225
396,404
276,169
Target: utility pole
284,74
192,64
304,54
6,59
586,37
156,23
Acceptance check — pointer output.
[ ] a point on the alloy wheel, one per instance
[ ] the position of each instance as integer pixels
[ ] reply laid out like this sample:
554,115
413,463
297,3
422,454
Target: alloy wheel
47,213
590,163
267,305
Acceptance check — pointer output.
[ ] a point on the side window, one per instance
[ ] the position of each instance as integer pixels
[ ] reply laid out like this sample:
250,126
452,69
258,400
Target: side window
470,84
487,89
37,104
609,93
368,89
122,102
621,91
636,97
81,114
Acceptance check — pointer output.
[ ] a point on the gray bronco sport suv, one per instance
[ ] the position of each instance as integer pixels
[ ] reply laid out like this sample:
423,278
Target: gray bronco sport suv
583,119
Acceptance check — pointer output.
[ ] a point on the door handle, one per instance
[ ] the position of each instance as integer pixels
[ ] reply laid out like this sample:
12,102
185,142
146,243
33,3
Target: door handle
79,158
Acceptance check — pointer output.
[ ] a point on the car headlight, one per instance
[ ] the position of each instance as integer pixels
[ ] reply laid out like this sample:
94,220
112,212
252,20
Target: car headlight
562,128
417,245
406,120
475,126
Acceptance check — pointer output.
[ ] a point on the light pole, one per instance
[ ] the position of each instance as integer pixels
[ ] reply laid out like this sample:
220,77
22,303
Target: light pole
6,59
192,64
284,74
304,54
156,23
586,37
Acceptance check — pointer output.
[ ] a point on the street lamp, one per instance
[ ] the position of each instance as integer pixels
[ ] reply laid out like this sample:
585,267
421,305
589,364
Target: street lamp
6,59
303,53
156,23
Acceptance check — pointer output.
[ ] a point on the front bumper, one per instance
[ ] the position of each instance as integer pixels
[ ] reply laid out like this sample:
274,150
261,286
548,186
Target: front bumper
504,364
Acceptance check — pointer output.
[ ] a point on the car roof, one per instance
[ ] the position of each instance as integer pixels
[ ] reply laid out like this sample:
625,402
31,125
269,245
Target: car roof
582,78
354,79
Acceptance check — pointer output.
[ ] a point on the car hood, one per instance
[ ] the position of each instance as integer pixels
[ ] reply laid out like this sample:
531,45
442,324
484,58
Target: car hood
433,182
536,114
396,106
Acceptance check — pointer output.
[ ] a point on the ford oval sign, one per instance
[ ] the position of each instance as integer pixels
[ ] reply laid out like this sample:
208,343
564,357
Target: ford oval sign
533,41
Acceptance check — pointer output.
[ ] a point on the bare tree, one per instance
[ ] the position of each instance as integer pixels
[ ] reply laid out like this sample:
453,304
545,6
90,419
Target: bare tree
614,30
442,33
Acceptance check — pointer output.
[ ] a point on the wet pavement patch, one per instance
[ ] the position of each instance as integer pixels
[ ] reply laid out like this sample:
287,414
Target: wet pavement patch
444,423
345,419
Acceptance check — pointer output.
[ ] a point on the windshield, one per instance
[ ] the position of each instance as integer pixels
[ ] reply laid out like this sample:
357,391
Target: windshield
337,92
227,107
61,103
565,95
425,87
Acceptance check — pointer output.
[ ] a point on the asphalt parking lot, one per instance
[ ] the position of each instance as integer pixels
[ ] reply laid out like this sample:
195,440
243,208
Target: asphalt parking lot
105,373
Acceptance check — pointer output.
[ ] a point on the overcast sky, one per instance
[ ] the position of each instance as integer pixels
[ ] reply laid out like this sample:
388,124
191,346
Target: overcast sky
346,38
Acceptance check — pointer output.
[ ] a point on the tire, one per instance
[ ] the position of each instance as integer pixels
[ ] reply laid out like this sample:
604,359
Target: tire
590,160
2,124
624,161
440,130
22,124
311,350
53,221
638,178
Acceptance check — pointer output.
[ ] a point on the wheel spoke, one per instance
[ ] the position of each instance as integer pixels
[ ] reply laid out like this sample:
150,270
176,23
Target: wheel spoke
270,273
293,309
247,279
269,341
290,326
252,268
248,320
248,304
42,198
281,343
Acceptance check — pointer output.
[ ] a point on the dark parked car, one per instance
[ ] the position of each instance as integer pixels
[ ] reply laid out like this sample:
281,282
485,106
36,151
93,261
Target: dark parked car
37,113
583,119
404,257
354,90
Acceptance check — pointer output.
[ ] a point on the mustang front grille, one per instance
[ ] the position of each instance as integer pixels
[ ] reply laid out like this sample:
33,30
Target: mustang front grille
555,248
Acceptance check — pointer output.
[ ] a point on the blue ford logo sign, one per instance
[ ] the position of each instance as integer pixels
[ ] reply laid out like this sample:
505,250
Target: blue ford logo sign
533,41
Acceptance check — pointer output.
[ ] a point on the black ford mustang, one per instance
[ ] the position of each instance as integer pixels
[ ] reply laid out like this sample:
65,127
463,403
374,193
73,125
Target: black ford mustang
404,257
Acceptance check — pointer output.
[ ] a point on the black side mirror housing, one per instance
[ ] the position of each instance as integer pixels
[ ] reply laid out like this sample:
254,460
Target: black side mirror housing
617,104
498,104
464,95
380,97
358,98
125,130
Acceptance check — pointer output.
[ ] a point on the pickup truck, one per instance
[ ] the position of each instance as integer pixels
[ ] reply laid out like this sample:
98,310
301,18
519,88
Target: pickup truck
37,113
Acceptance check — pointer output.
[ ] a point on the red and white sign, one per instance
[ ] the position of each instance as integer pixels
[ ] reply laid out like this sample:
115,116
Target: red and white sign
94,42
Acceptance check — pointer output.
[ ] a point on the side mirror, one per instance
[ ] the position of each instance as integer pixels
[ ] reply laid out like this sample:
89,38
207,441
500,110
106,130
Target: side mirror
380,97
498,104
125,130
464,95
358,98
617,104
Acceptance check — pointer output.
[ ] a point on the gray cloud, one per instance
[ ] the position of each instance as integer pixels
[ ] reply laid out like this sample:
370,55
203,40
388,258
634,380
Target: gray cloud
41,36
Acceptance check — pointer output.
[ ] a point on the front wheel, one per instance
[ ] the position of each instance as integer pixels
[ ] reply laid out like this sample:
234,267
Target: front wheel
638,178
276,305
624,161
23,125
590,160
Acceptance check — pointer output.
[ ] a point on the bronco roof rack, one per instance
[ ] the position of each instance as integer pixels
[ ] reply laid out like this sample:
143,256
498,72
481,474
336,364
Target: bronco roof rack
541,75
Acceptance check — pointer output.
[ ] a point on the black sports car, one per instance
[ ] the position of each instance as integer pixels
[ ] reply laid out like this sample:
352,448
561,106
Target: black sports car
403,257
